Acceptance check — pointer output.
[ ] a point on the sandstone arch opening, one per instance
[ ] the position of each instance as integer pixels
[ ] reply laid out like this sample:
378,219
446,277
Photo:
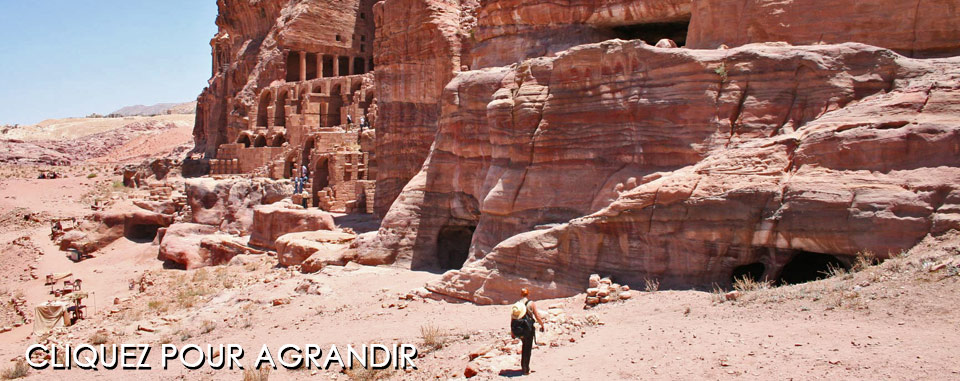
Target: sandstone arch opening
321,179
653,32
808,266
260,141
334,106
280,112
245,140
141,233
277,141
305,153
262,109
453,246
753,271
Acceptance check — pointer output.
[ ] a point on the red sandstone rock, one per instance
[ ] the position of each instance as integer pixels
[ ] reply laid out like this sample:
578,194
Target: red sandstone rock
181,244
510,31
321,247
917,29
272,221
743,148
102,228
416,51
471,370
229,204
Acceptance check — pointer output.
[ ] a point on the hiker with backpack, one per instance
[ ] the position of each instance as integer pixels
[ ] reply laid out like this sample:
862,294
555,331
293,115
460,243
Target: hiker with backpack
523,314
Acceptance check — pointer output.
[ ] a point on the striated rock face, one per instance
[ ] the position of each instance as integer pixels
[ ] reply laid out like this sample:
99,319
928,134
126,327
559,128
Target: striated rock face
272,221
103,228
915,29
416,52
685,164
315,249
195,245
229,204
509,31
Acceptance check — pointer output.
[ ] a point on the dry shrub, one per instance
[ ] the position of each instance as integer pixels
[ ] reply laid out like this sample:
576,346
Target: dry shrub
359,373
19,370
834,271
262,374
651,285
746,284
207,327
100,337
864,260
432,337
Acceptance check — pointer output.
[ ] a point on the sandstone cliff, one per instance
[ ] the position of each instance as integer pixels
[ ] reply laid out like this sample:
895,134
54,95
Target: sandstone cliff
915,29
416,52
686,164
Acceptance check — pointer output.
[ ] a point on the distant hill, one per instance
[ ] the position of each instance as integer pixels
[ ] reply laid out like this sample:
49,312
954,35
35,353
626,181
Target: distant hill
158,109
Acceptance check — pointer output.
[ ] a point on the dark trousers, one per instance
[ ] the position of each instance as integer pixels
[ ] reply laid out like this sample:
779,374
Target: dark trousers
527,347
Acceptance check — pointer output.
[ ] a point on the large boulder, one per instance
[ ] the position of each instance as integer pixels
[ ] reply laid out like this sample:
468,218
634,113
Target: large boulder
315,249
197,245
103,228
272,221
228,204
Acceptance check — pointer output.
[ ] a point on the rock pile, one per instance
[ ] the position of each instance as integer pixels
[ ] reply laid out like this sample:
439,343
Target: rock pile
603,290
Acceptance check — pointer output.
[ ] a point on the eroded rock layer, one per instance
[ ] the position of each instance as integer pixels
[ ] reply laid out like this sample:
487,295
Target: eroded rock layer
926,28
687,164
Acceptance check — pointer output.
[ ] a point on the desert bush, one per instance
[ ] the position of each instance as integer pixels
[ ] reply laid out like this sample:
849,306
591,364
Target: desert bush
100,337
207,327
19,370
651,285
432,337
745,284
92,175
262,374
834,271
864,260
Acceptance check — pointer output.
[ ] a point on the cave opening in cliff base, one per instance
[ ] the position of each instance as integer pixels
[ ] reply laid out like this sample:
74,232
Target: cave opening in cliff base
807,267
753,271
453,246
654,32
142,232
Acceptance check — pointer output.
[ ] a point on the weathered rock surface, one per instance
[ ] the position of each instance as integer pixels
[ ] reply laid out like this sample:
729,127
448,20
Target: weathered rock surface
197,245
684,163
229,204
315,249
915,29
103,228
510,31
272,221
416,52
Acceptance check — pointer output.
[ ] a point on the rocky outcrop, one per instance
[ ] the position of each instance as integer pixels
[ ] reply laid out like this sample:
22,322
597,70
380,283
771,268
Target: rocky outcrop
229,204
625,159
510,31
315,249
103,228
416,52
272,221
195,245
915,29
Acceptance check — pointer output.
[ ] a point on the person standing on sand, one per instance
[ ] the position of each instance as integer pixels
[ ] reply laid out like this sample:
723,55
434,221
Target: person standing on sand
522,316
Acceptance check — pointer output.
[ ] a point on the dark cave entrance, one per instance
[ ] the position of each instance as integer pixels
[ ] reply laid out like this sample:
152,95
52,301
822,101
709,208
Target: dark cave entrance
142,233
654,32
753,271
807,267
453,246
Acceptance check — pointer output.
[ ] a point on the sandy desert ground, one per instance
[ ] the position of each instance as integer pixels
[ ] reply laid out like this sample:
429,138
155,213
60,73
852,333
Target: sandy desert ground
891,321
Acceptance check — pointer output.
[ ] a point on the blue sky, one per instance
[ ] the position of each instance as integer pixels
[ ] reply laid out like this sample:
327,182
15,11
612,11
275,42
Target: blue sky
63,58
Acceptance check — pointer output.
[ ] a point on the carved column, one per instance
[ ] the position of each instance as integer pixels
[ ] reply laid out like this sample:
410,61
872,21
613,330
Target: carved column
336,66
319,65
303,66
